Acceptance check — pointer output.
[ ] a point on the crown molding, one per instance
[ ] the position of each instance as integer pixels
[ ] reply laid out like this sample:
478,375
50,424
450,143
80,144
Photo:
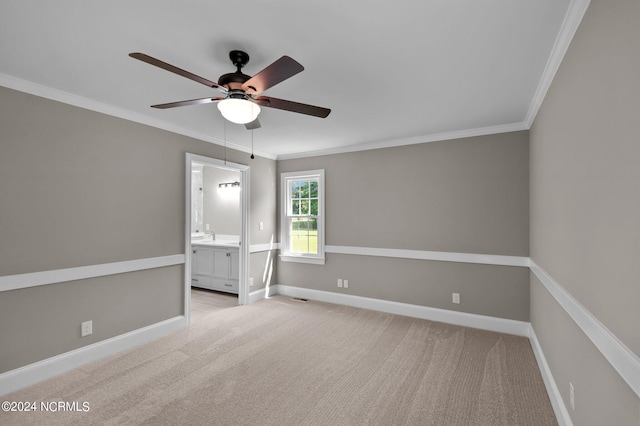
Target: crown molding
414,140
93,105
572,19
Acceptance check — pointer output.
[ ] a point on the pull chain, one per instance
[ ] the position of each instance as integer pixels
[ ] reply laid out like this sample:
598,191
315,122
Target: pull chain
225,142
252,157
252,129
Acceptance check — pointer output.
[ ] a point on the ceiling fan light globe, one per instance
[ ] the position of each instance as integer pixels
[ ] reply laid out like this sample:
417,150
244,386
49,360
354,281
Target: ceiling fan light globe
239,111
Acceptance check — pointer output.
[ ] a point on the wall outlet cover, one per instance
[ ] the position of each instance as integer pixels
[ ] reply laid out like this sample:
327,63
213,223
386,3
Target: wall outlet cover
86,328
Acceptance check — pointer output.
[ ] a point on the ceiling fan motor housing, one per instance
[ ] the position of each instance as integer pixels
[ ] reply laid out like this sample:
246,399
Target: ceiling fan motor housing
235,80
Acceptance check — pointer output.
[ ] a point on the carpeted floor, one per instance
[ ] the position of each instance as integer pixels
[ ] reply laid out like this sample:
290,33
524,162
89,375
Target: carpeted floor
283,362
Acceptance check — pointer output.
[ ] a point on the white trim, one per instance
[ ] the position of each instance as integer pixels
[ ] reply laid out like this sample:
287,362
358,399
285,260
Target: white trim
486,259
245,178
257,248
559,408
572,19
623,360
414,140
285,177
313,260
186,285
19,378
245,205
501,325
254,296
263,293
90,104
14,282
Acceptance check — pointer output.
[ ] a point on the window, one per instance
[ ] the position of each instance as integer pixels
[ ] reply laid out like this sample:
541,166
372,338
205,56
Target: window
302,230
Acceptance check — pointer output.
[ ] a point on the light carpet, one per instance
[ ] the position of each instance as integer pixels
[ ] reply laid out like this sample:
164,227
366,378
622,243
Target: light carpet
283,362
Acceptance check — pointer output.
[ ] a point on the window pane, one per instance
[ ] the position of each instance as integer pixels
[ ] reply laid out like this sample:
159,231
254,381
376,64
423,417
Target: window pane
304,207
295,190
295,207
304,235
314,208
313,193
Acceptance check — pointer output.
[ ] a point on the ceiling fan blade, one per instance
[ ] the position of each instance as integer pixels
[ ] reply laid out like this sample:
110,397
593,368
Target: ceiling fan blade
165,66
316,111
185,103
255,124
275,73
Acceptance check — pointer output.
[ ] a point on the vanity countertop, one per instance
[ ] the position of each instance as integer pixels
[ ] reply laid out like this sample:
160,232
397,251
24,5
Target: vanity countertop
215,243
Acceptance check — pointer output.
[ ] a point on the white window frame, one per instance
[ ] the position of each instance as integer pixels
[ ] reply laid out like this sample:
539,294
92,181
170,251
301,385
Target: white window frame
285,252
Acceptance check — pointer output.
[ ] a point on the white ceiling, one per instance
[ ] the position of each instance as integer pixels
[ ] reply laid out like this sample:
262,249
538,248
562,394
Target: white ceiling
392,72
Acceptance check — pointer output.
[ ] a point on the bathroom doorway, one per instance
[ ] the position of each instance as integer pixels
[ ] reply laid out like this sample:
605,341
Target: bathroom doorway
216,230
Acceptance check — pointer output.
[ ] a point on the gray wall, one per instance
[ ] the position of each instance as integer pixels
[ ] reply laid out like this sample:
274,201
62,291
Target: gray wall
467,195
81,188
585,208
221,205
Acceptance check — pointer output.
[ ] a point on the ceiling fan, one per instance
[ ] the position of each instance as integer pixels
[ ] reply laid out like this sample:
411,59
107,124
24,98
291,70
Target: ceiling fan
242,101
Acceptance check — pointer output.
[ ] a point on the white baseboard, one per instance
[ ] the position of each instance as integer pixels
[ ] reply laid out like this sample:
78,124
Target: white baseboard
257,248
22,377
254,296
559,408
501,325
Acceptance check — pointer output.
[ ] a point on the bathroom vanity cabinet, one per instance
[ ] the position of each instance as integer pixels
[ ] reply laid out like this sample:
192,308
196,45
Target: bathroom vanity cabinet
215,267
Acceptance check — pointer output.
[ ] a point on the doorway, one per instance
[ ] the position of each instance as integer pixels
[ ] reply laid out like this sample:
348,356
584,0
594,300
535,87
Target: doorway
229,251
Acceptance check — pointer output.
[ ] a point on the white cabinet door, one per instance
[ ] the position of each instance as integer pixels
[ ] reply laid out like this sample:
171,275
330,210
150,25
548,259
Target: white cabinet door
202,261
221,262
234,264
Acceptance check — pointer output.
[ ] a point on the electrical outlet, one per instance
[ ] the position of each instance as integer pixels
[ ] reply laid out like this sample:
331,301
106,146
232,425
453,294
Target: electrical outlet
261,225
455,298
86,328
572,397
251,282
340,282
345,283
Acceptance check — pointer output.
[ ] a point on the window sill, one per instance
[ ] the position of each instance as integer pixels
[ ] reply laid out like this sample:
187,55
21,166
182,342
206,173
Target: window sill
302,259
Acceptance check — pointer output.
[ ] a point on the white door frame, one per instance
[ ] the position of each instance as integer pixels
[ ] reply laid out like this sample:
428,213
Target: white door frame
243,281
